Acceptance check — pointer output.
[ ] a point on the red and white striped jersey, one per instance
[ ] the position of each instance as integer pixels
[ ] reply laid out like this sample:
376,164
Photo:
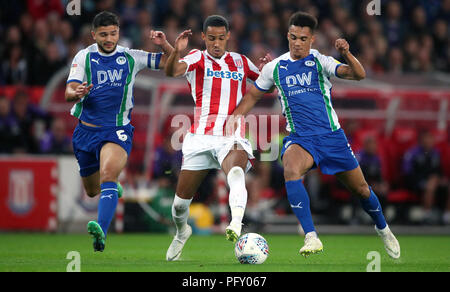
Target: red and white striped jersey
217,86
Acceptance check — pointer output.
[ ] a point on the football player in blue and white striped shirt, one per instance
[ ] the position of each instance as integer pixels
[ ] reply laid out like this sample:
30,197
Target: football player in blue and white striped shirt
302,78
101,83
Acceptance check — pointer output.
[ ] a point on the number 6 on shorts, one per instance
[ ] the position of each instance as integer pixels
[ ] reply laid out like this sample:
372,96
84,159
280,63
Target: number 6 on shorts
121,135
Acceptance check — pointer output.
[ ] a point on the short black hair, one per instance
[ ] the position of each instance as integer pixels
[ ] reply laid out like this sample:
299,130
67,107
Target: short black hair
303,19
216,21
105,18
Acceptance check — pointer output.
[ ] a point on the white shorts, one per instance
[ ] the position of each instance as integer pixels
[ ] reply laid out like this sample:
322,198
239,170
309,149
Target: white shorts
208,151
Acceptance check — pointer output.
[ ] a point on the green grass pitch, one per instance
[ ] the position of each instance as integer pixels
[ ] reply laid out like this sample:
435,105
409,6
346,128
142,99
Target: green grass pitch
146,252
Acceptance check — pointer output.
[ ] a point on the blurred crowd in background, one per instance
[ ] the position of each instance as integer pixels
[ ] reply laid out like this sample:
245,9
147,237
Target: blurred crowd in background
39,38
409,36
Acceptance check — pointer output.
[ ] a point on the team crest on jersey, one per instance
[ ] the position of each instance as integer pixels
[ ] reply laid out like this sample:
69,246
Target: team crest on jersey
310,63
21,191
121,60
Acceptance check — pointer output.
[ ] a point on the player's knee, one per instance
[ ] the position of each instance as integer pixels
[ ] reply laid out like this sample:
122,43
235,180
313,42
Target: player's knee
361,190
185,192
292,173
107,174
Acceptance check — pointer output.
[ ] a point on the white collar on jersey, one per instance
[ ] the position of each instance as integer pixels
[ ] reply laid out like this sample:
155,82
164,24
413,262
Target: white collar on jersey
216,59
105,54
292,60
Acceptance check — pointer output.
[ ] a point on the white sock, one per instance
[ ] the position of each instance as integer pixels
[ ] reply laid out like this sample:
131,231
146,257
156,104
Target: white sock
311,234
180,212
238,194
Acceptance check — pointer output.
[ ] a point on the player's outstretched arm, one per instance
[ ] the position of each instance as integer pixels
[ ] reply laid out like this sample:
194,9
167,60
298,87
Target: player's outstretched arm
76,91
159,39
247,103
174,68
353,70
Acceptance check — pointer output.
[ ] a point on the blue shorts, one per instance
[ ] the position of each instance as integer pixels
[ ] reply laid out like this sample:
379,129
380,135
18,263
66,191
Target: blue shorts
88,141
331,152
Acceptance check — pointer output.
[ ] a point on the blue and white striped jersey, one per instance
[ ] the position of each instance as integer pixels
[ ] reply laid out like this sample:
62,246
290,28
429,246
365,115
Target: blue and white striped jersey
110,101
304,90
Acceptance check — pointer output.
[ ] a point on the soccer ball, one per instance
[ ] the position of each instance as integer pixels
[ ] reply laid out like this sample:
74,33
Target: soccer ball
251,248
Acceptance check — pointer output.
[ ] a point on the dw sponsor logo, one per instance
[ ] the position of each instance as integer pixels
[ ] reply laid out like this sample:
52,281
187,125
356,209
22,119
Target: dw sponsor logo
109,75
297,79
21,191
224,74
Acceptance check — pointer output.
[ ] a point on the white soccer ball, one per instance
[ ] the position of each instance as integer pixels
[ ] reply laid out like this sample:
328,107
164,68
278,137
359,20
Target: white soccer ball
251,248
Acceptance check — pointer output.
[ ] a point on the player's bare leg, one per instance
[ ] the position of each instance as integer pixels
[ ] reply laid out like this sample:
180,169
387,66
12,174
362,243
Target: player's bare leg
296,162
92,184
189,181
113,159
188,184
234,166
354,180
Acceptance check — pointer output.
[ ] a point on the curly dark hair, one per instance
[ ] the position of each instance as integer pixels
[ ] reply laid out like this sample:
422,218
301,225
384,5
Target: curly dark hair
303,19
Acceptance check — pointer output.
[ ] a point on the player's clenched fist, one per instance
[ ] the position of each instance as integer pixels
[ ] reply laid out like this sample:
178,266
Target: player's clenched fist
342,46
82,89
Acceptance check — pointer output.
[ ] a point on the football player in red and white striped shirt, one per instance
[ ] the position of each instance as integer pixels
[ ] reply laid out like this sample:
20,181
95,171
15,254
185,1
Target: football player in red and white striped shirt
217,80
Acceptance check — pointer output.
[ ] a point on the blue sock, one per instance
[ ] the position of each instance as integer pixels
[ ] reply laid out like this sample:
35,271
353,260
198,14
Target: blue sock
372,207
107,204
299,200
